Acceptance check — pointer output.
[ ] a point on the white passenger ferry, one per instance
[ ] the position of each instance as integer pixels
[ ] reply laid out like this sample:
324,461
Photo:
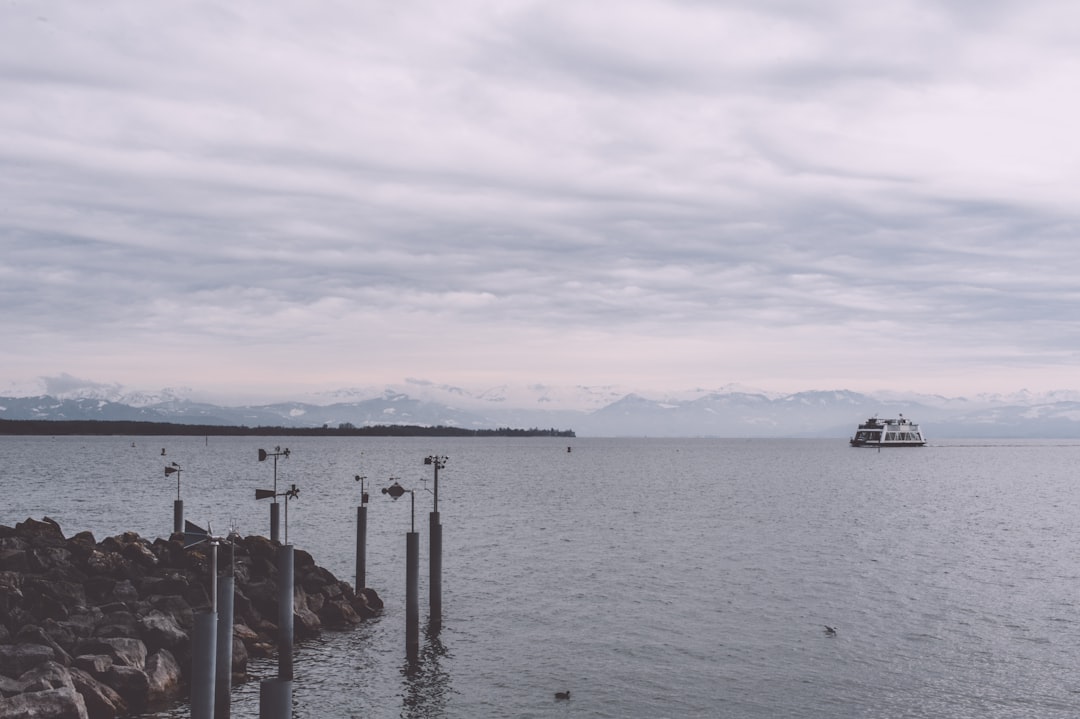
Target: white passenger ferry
900,432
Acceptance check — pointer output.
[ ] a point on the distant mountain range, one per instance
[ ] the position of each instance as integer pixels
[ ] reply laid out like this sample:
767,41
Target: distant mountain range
601,412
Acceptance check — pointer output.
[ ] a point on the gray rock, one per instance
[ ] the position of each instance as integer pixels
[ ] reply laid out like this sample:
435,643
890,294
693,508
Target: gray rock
97,665
63,703
162,631
44,559
102,702
9,686
123,650
33,634
139,553
118,624
14,560
124,591
130,683
164,677
339,614
46,533
49,675
18,658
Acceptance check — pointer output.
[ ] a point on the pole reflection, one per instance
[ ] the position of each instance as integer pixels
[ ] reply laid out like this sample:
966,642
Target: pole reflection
426,685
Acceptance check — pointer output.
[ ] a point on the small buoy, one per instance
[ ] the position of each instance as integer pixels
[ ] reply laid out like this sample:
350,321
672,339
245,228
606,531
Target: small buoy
559,696
162,451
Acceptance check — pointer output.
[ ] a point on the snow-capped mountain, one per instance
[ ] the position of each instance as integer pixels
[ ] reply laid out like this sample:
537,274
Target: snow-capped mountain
589,411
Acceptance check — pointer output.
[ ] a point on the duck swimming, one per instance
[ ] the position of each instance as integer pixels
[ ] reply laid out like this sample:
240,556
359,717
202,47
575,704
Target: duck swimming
562,695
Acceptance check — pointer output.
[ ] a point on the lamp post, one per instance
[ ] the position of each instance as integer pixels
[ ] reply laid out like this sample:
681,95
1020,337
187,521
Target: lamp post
178,504
273,691
361,536
211,656
435,548
274,511
412,575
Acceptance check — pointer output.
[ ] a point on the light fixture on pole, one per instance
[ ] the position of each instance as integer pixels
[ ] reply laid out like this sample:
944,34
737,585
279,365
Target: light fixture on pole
178,504
412,576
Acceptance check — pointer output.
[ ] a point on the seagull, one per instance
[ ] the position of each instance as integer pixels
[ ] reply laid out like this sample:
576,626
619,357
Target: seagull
562,695
829,631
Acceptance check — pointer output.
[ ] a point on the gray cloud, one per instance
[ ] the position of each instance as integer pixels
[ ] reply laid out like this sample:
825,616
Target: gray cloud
677,193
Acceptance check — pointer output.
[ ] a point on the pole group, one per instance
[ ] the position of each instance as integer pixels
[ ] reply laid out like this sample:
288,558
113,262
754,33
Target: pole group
412,560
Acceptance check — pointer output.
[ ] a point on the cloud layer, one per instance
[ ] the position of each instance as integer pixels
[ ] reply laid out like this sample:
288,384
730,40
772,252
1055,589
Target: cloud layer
281,195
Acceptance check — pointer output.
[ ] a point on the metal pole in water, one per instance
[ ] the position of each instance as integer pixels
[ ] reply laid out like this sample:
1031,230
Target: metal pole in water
435,570
361,536
275,699
275,521
412,599
285,612
361,547
178,504
203,655
225,597
435,549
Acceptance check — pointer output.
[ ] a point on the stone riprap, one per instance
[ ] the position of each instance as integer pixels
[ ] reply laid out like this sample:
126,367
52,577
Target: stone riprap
103,629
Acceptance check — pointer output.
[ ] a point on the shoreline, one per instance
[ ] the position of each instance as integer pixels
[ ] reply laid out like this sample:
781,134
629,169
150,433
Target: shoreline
134,428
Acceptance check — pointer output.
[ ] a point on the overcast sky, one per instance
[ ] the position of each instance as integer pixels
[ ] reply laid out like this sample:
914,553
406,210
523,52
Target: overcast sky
269,197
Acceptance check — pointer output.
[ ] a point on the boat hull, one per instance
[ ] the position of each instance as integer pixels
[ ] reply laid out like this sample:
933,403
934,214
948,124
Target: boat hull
888,433
872,443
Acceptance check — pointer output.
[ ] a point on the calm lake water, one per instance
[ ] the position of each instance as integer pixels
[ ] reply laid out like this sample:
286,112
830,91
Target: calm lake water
650,577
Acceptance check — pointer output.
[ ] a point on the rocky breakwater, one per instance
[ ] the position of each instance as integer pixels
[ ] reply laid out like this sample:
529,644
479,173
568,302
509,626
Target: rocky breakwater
102,629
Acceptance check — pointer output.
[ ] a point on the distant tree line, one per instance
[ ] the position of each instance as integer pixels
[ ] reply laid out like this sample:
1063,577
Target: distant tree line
346,429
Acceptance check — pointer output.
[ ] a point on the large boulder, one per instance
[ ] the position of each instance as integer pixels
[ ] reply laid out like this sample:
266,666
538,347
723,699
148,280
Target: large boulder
130,683
63,703
161,630
102,701
122,650
33,634
16,659
48,675
165,680
46,533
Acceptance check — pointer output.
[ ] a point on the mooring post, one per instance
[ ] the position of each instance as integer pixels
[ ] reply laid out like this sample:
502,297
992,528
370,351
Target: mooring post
275,521
275,695
285,612
178,504
361,547
225,600
435,548
275,699
412,598
412,574
203,656
435,571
